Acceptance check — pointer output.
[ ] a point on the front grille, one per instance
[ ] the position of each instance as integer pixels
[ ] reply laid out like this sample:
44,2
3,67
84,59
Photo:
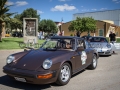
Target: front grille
101,52
107,52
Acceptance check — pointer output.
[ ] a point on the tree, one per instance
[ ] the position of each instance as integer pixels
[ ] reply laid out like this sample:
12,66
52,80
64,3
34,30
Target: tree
85,24
15,24
29,13
89,24
48,26
76,25
4,16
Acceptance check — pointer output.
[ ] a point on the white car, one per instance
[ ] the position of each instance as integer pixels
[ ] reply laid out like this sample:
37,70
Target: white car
101,45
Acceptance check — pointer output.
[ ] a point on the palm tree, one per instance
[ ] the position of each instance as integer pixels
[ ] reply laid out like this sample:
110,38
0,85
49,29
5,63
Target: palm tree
4,16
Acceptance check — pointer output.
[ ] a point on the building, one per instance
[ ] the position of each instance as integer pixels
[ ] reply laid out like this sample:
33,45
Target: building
107,21
111,16
103,29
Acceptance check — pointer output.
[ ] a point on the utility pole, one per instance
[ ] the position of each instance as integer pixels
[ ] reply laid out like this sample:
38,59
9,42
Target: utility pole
61,24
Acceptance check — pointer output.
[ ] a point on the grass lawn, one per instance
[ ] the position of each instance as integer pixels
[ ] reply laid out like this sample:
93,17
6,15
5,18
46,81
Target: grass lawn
13,43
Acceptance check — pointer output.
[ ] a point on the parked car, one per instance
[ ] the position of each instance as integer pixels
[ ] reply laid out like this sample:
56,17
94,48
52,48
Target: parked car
55,61
17,34
48,36
101,45
7,35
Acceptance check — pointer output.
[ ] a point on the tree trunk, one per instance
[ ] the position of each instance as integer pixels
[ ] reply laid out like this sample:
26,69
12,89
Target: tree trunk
1,37
0,31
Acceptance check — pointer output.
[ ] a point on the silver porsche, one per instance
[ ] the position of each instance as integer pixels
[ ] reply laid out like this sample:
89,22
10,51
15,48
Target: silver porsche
101,45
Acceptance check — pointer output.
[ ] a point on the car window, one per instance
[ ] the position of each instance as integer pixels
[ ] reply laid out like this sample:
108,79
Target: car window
50,44
80,43
59,44
98,39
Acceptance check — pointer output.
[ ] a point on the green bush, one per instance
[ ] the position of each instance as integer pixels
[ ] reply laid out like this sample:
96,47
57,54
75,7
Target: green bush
71,34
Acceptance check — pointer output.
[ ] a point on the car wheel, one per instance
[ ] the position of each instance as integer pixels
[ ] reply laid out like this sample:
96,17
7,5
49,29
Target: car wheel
93,65
64,74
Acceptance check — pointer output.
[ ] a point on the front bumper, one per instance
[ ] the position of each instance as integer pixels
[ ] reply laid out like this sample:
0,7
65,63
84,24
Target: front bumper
30,76
104,52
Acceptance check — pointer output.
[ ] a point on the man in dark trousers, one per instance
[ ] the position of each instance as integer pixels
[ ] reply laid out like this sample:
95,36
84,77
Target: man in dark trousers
112,37
78,34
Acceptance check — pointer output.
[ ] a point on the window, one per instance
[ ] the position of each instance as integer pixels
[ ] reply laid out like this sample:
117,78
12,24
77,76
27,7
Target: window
101,32
80,43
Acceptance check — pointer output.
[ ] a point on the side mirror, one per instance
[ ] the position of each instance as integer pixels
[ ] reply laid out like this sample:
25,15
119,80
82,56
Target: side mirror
80,48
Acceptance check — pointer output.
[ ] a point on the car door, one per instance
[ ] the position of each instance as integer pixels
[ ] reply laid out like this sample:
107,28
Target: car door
82,58
89,52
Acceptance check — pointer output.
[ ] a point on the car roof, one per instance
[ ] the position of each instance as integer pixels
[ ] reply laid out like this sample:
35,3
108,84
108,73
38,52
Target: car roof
98,37
64,37
86,36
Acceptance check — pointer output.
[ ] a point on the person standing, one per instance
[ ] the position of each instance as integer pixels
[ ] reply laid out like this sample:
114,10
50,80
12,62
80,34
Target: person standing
112,37
40,34
78,34
62,33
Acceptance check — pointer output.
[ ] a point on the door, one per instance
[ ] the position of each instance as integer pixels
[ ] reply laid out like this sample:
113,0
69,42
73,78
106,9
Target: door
81,55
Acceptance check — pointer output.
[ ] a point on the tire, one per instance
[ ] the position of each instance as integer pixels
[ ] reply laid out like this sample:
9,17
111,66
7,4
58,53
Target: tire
64,74
93,65
22,45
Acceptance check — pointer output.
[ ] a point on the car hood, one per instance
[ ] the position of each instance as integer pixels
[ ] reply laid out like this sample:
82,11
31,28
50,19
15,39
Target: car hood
99,44
34,59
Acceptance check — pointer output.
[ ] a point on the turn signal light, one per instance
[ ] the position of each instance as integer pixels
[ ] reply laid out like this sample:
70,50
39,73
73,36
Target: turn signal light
44,76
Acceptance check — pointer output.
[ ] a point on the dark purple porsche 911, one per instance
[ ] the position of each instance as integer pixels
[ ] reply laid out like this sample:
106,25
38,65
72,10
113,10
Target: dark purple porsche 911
55,61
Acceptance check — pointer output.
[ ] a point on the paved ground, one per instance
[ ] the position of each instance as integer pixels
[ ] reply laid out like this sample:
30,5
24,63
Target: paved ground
105,77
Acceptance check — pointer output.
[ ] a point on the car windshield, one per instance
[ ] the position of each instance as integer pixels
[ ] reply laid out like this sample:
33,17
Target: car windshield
86,37
98,39
53,44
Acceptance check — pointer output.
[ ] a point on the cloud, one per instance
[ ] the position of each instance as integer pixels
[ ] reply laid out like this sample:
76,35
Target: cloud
85,10
116,1
64,7
94,9
21,3
103,8
39,12
50,0
9,3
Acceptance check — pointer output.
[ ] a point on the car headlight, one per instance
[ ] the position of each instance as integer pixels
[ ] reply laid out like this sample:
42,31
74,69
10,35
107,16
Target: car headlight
47,64
108,46
10,59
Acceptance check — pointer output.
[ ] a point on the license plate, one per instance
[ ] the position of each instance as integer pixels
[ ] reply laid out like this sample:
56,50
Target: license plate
20,79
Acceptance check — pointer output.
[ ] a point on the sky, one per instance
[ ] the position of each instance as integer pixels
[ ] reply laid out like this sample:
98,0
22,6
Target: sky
58,10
